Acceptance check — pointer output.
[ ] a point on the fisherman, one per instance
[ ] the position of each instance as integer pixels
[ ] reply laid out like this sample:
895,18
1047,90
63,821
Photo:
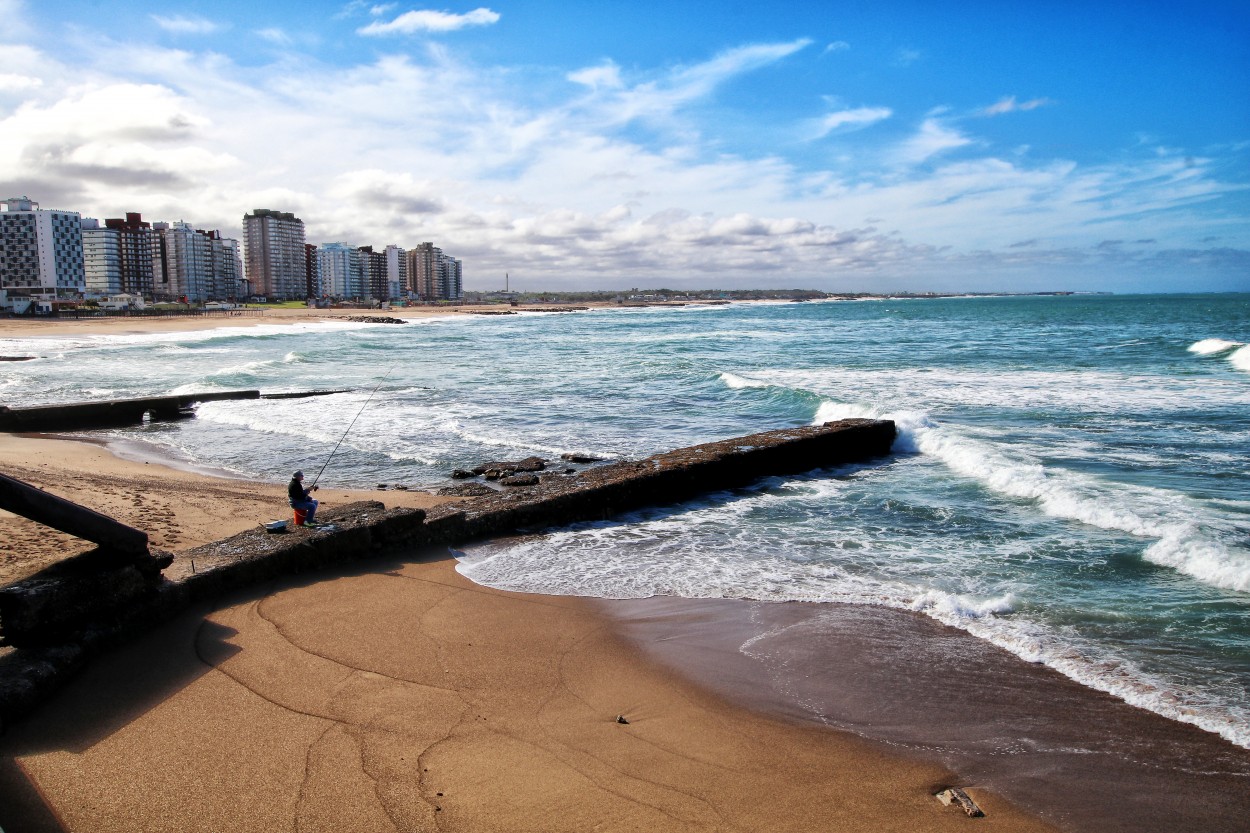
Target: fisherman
300,497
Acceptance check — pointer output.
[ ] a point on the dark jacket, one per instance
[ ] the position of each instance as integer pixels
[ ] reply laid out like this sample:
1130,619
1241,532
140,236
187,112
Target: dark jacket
295,491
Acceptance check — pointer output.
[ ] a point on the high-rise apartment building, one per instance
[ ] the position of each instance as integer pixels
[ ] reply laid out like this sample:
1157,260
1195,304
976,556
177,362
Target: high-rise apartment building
41,250
134,240
375,267
194,264
342,270
102,257
434,275
396,272
312,273
277,266
453,278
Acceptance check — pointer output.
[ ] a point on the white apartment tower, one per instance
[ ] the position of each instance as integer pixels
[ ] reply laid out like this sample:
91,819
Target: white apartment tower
341,270
102,258
41,250
277,265
396,271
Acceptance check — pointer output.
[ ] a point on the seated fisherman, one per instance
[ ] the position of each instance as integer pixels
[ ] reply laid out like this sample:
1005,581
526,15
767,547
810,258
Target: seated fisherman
300,498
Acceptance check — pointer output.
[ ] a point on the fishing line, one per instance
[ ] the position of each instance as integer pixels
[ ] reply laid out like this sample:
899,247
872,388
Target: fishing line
349,427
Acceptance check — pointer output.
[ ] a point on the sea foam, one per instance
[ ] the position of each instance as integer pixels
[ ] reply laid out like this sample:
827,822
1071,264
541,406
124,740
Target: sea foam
1209,346
1240,359
1184,529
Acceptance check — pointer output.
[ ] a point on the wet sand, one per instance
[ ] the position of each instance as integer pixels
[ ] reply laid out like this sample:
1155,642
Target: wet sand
1079,758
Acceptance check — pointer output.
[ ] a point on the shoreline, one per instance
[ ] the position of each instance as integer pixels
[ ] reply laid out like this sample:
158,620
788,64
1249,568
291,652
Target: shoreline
21,328
1076,757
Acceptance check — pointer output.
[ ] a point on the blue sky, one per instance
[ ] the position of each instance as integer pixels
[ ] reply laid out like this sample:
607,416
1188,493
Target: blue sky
837,145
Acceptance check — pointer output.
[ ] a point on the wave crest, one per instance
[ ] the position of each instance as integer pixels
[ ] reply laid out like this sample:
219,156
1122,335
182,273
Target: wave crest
1241,359
1209,346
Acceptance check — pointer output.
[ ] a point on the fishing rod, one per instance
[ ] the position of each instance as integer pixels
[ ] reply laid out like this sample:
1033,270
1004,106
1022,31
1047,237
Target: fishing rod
349,427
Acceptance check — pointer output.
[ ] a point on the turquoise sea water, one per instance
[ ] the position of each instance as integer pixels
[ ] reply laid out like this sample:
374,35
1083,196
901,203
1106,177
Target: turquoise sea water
1070,480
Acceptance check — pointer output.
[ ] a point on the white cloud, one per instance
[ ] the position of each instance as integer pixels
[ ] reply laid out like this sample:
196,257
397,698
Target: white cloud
859,117
836,46
276,36
1010,105
424,20
10,81
933,138
183,25
657,99
606,75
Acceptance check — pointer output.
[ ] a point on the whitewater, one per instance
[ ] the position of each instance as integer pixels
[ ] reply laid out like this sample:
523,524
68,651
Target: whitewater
1068,482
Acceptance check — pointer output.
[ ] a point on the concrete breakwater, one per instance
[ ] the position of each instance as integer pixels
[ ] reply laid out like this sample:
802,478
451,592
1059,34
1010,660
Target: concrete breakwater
113,413
58,617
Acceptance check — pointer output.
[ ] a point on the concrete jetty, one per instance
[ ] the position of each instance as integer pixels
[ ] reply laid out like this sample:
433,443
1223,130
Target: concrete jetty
59,616
115,413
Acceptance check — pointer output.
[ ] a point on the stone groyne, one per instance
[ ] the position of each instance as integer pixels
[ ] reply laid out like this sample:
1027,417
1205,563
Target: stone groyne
114,413
57,618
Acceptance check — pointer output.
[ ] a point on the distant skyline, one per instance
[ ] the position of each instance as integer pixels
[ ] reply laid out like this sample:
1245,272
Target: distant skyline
844,146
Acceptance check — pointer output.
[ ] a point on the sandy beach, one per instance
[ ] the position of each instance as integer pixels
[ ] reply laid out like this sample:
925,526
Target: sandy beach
398,695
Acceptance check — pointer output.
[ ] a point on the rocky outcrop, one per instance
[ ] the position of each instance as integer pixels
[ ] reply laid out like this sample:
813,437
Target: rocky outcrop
954,796
500,469
466,490
374,319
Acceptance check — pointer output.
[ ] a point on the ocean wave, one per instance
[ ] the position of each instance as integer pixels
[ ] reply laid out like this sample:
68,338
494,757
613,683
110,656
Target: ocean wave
1079,391
196,387
1185,548
1183,544
1208,346
1240,359
499,440
246,369
1094,667
736,382
959,606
